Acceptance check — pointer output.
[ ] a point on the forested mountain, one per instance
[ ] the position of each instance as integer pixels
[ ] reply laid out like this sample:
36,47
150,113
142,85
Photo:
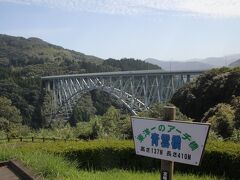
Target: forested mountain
23,61
34,56
18,51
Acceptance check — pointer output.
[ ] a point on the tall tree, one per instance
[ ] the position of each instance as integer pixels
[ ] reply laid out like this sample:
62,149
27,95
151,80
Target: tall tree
9,114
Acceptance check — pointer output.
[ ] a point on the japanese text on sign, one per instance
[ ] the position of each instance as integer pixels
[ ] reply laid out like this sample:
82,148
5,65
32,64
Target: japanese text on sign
170,140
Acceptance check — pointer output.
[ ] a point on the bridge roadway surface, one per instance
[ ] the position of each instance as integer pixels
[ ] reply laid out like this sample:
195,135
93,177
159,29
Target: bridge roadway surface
127,73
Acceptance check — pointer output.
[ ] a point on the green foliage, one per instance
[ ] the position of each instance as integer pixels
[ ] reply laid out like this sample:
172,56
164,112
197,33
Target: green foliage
84,109
213,136
9,115
213,87
221,118
222,123
46,165
157,111
4,124
235,136
9,112
102,101
24,94
65,132
51,166
236,105
19,131
112,124
18,51
3,134
129,64
85,130
47,109
109,122
109,154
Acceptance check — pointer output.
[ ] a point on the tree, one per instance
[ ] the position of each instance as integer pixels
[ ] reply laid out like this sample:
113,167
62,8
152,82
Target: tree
109,122
236,104
213,87
84,109
157,111
47,109
9,114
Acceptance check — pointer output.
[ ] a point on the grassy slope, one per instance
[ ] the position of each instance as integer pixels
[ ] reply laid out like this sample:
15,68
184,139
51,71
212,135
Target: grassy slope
51,166
47,159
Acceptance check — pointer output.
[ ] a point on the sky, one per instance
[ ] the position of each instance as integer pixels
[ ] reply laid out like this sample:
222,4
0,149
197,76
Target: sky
161,29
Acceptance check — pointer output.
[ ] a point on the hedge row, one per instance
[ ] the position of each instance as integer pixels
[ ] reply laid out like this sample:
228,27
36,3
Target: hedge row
220,158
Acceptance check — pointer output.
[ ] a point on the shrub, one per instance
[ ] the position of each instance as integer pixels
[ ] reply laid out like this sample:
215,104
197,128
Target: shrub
235,136
236,104
84,130
64,132
221,119
112,124
19,131
157,111
220,158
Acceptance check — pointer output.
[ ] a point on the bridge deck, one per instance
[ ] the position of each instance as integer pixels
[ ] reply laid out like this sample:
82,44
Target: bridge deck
124,73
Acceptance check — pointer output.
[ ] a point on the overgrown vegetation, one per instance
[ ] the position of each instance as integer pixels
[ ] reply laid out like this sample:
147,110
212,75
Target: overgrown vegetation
213,97
50,166
106,155
112,124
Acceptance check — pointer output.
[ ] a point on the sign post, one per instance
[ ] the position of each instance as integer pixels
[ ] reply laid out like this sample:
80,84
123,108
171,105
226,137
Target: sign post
170,140
167,166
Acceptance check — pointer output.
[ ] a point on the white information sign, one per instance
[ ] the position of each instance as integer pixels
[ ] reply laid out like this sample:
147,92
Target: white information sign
177,141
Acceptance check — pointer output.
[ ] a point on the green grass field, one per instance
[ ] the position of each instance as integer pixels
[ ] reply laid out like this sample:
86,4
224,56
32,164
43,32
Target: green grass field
52,166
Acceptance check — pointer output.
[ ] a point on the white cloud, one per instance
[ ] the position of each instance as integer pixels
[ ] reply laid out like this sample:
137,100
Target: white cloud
212,8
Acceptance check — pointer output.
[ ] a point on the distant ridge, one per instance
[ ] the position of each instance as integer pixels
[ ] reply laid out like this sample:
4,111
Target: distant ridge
180,66
221,61
235,63
196,64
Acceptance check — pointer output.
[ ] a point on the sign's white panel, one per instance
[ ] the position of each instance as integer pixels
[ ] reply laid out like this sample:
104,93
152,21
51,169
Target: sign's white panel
177,141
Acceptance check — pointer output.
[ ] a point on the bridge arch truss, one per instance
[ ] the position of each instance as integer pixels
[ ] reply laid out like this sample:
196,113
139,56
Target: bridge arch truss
137,90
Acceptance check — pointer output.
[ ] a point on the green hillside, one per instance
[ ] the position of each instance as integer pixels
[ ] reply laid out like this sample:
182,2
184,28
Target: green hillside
213,87
35,57
23,61
18,51
215,98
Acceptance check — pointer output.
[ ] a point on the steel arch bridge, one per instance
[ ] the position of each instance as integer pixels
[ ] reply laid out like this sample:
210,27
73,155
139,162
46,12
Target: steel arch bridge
137,90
